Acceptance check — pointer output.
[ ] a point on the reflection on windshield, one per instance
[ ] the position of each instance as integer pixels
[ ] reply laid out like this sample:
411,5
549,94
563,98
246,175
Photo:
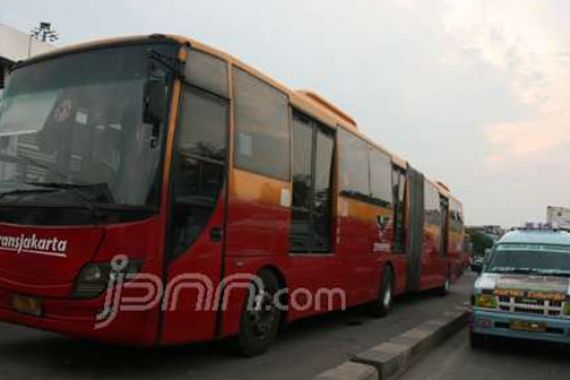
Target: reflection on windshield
526,260
77,120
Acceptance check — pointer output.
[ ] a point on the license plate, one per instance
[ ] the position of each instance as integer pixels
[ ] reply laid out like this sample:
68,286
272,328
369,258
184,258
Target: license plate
528,326
27,305
532,301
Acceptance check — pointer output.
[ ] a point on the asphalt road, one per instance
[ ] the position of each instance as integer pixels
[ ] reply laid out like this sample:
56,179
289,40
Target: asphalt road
515,360
302,351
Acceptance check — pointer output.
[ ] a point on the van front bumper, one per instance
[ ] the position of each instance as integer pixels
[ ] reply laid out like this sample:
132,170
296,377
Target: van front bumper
495,323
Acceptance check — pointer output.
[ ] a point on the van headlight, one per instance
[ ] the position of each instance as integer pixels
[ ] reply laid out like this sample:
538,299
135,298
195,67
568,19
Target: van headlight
94,278
485,301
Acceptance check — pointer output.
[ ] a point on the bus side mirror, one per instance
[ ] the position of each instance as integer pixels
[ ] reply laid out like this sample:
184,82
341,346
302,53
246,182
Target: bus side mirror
154,102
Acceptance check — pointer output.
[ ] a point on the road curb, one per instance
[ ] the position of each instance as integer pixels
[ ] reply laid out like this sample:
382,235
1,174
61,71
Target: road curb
389,360
349,370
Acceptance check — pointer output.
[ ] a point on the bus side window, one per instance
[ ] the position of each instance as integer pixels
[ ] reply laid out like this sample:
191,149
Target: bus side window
433,211
444,214
199,165
300,235
262,131
205,71
380,178
456,217
354,166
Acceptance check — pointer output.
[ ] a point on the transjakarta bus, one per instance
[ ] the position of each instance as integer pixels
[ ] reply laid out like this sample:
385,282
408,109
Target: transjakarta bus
194,168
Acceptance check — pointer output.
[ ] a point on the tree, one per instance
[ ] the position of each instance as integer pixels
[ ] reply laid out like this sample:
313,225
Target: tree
480,241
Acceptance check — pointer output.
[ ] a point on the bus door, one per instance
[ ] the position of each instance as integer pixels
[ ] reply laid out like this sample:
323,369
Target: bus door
415,238
311,216
195,256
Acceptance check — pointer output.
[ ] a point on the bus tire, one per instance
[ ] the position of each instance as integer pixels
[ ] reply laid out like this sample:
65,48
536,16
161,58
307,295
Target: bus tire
259,324
382,306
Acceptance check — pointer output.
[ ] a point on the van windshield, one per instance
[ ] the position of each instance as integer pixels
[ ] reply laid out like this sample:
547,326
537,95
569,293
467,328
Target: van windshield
531,259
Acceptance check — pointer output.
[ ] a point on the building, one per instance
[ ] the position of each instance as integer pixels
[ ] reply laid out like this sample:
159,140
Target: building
16,45
558,217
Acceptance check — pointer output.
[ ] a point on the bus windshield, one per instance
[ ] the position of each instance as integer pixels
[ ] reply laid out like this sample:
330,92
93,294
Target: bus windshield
76,121
530,259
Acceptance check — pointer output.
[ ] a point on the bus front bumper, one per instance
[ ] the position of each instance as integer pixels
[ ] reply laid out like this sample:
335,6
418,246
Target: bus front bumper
78,318
513,325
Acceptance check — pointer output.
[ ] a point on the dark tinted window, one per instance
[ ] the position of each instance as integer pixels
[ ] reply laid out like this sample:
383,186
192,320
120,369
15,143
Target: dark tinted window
380,177
210,114
354,171
262,127
302,185
322,192
208,72
444,223
313,149
398,196
199,165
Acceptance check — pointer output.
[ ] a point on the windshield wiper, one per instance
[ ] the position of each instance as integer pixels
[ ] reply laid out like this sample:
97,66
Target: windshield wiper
52,188
74,189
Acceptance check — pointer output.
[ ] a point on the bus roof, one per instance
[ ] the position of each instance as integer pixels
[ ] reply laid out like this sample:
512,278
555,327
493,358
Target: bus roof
306,100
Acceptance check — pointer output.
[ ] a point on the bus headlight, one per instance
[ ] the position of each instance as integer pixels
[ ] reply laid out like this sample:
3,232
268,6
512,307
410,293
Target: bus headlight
93,279
486,301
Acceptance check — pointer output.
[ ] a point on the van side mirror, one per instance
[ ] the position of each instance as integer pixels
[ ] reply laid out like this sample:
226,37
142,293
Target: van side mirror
154,101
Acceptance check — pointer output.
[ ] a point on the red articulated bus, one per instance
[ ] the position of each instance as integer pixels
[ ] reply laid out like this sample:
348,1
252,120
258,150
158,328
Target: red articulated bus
155,191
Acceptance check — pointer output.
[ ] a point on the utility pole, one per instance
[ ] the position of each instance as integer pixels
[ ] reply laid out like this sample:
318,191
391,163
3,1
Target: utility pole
45,33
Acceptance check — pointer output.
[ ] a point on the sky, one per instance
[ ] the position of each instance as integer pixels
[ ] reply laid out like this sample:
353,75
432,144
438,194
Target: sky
473,93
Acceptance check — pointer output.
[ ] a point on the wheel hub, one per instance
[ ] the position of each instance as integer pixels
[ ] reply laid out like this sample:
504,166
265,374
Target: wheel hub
263,314
388,296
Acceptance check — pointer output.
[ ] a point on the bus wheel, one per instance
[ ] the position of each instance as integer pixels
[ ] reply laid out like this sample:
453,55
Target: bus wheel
260,317
381,307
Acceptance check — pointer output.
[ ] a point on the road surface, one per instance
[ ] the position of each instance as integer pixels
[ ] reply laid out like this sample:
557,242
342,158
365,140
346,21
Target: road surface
302,351
514,360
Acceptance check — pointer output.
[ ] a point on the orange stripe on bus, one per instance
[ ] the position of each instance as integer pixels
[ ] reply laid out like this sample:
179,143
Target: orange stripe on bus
352,208
247,186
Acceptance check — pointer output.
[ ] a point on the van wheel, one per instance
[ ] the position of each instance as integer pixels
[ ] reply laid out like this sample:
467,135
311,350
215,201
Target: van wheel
477,341
381,307
260,317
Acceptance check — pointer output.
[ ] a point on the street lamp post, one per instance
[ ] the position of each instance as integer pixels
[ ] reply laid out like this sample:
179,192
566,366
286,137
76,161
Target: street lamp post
45,33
